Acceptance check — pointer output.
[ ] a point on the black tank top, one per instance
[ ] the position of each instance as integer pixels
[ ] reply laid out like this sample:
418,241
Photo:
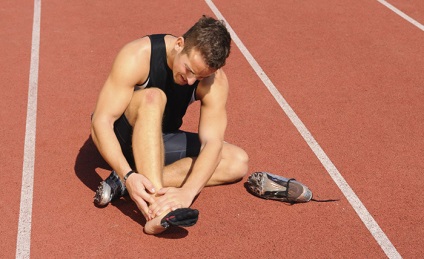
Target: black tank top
160,76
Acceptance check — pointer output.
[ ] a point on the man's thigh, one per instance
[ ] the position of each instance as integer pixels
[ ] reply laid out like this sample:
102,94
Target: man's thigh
180,144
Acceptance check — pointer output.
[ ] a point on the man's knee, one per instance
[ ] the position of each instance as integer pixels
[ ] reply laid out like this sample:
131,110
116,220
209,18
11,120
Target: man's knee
243,160
239,164
152,97
150,101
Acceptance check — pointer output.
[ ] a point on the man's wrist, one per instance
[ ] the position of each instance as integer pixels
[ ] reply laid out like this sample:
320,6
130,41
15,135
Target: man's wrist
191,191
128,175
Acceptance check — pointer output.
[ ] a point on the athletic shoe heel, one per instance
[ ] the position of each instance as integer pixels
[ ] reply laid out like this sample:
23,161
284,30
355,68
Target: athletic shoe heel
109,189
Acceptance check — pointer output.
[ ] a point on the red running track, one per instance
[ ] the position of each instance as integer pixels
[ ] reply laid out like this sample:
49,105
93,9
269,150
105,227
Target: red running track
351,71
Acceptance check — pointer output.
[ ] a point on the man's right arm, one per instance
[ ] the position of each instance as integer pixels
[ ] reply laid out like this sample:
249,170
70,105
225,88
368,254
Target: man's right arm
129,68
111,104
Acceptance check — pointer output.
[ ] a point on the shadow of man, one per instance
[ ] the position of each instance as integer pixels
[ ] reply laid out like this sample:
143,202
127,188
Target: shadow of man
87,161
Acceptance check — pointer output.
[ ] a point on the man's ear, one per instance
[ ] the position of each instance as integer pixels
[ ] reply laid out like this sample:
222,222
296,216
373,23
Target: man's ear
179,44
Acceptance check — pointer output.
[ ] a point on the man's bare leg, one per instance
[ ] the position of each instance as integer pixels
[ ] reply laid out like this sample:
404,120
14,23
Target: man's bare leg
232,167
145,114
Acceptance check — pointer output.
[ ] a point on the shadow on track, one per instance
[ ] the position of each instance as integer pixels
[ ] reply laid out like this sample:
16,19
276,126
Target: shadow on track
86,163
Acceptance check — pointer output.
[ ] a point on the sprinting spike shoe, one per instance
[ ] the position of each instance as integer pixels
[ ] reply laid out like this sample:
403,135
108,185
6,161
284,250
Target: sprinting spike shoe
109,189
274,187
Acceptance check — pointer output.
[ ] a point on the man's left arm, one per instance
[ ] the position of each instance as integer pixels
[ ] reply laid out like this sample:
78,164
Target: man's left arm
212,126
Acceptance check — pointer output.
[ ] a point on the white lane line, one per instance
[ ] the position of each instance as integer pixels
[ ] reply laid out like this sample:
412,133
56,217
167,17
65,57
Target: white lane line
402,14
350,195
25,214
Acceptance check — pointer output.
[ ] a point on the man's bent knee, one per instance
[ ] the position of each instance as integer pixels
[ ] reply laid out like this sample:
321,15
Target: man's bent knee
241,164
153,99
237,165
153,96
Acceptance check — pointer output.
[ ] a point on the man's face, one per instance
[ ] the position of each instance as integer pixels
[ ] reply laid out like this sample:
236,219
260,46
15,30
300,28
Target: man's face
190,67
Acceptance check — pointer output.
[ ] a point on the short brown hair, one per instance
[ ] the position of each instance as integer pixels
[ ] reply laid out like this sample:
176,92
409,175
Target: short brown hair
211,38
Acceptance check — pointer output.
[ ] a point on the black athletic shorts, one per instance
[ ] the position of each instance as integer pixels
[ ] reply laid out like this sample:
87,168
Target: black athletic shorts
177,144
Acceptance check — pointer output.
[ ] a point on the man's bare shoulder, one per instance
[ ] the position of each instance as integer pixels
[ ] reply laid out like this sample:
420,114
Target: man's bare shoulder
219,78
133,60
136,47
214,85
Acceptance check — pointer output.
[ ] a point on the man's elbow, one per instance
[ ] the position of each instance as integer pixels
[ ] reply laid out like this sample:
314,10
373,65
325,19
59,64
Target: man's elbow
98,124
216,144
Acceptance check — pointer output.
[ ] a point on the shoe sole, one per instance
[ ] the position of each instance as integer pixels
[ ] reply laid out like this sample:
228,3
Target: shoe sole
273,187
103,194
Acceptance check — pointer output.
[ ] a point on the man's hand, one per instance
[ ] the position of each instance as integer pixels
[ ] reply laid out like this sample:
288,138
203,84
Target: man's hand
140,190
171,198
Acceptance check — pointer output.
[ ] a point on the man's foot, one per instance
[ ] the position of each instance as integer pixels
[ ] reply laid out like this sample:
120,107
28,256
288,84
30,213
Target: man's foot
109,189
275,187
184,217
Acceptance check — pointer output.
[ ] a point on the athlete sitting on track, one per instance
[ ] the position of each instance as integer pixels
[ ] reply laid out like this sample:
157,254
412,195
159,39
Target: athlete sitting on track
136,121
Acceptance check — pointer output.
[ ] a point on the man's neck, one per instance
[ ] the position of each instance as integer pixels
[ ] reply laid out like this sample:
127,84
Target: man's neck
170,50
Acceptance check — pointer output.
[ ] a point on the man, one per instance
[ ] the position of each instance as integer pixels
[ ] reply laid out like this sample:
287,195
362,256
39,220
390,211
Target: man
136,121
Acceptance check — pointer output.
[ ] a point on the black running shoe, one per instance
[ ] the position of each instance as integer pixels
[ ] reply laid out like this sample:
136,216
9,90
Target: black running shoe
184,217
109,189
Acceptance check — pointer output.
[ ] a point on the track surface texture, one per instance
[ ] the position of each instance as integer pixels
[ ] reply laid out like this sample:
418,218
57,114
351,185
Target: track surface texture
352,71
